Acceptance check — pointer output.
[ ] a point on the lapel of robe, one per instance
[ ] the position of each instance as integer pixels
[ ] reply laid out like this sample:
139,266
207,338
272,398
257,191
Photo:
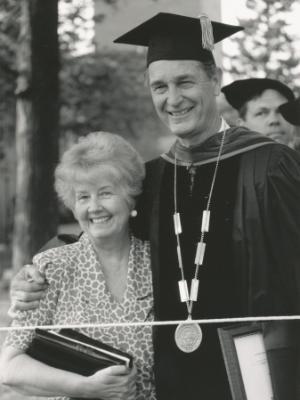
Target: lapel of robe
156,174
147,223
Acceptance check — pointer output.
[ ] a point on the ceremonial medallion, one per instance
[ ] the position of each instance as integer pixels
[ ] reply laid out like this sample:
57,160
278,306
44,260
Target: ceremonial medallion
188,337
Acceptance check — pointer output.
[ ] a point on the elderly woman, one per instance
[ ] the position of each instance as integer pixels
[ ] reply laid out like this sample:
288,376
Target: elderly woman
105,277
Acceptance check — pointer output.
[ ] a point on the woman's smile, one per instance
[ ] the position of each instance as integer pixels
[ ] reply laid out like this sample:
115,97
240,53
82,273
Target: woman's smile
100,220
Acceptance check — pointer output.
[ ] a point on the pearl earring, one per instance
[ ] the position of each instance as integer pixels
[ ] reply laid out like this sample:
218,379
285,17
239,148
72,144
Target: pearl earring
133,213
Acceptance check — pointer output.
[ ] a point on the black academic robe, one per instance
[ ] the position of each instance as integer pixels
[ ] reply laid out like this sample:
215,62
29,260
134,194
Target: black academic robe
265,231
260,250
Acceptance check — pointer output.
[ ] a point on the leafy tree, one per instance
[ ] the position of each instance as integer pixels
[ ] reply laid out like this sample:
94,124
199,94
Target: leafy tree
266,47
97,94
9,16
29,50
77,23
36,218
74,23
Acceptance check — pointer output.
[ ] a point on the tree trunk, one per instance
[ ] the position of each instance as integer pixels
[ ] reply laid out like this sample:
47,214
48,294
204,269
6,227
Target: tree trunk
37,117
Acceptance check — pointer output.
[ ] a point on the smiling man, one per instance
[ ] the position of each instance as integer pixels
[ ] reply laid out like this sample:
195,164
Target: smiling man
220,208
209,227
184,98
257,101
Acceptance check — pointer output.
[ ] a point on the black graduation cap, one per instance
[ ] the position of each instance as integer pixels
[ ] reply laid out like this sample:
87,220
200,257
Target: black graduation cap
291,111
243,90
177,37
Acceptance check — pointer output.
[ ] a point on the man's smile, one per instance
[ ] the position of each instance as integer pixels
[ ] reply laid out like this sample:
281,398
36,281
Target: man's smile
180,113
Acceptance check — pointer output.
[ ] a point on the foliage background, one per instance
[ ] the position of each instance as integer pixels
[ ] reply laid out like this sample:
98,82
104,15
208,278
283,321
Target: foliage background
267,47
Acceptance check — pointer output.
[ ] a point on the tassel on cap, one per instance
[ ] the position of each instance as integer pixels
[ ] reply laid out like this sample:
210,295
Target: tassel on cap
207,32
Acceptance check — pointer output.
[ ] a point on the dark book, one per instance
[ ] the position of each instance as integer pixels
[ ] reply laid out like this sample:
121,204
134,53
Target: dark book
75,352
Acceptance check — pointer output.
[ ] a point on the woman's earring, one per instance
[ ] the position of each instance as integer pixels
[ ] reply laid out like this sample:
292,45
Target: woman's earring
133,213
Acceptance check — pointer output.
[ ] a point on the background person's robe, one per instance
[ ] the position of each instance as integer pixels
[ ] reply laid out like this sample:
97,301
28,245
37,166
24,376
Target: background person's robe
262,258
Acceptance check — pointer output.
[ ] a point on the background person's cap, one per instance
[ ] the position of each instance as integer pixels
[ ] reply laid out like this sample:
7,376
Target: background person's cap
240,91
291,111
177,37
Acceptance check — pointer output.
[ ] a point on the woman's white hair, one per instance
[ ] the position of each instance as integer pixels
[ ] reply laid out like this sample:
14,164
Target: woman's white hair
100,150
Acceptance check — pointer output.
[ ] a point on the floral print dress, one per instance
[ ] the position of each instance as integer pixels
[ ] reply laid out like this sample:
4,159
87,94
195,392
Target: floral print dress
78,295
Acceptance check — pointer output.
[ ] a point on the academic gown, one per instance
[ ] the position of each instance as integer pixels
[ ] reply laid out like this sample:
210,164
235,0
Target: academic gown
251,265
202,372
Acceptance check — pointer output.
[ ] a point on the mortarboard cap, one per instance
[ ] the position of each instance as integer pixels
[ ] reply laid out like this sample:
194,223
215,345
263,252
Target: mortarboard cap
243,90
291,111
177,37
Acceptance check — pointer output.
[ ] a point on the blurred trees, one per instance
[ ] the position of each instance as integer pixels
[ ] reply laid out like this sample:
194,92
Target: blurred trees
9,16
37,111
97,92
107,91
266,47
29,70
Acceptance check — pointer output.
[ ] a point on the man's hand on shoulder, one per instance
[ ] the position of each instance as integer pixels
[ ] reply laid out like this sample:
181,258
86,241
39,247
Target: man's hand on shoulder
27,289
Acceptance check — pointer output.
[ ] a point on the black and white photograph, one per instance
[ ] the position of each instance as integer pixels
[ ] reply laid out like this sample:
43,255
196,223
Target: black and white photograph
150,199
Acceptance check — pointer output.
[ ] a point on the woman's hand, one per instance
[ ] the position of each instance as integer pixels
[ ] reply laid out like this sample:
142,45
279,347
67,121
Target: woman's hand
112,383
26,290
31,377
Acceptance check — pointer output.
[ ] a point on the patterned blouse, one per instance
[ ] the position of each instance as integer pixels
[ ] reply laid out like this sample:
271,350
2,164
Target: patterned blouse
78,294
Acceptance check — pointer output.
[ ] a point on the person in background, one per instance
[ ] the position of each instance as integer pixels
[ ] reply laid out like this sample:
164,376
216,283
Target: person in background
104,277
257,101
221,211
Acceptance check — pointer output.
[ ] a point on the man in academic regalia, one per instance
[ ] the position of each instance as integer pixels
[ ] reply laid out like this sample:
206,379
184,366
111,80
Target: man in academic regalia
246,247
257,101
